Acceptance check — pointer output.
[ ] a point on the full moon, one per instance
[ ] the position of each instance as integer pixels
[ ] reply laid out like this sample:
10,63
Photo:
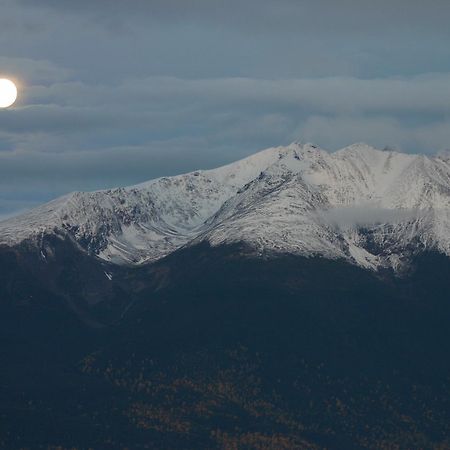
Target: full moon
8,93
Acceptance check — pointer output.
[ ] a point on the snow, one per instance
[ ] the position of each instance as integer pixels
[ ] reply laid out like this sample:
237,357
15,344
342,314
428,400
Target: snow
108,275
297,199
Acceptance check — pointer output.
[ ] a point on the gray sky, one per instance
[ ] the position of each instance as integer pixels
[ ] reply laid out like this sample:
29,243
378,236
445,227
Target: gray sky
117,92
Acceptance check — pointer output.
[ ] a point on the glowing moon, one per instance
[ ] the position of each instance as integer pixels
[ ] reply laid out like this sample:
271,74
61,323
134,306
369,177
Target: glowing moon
8,93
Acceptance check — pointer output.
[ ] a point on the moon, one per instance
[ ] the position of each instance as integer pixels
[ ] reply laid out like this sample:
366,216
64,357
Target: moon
8,93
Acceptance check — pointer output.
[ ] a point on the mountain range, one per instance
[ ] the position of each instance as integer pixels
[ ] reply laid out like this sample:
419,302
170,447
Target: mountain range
373,208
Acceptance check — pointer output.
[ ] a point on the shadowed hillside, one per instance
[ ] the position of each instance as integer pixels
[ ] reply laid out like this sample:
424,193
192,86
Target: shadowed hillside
219,350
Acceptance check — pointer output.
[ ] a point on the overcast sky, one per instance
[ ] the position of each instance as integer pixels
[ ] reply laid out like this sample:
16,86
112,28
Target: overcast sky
115,92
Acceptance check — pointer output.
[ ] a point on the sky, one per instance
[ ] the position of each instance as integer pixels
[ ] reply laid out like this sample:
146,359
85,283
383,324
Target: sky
114,93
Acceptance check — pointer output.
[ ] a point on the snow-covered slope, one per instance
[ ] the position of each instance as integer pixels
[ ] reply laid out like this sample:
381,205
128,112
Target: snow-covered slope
374,208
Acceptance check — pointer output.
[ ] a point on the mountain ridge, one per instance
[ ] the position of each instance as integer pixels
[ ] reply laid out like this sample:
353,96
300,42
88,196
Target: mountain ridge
280,200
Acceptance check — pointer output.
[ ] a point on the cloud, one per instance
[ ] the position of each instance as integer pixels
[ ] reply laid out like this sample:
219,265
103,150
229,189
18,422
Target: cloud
365,216
411,113
104,40
266,16
27,70
427,94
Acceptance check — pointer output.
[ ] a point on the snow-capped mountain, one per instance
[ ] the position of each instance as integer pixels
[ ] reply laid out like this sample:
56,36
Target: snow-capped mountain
370,207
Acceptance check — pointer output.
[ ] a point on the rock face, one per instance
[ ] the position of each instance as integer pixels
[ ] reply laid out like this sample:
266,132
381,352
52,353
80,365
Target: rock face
373,208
